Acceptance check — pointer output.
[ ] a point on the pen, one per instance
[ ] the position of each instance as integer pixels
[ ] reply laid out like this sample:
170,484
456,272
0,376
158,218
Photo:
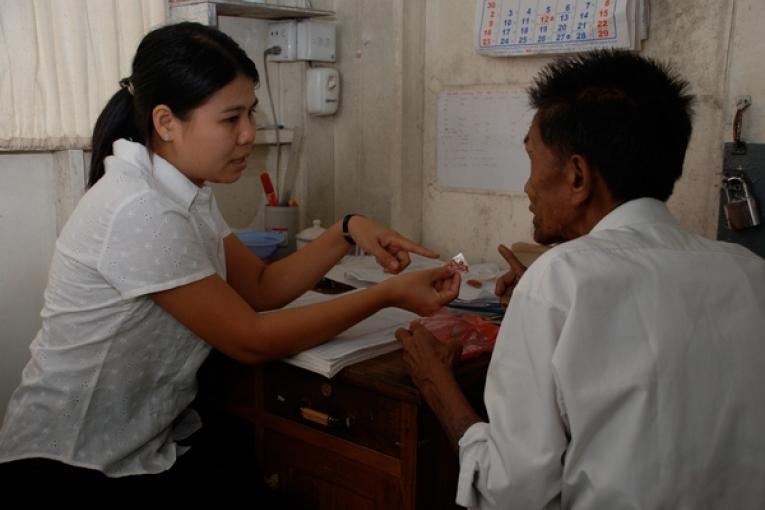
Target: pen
268,188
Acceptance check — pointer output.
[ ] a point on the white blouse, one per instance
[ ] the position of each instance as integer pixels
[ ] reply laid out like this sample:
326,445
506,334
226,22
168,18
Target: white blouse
628,373
111,372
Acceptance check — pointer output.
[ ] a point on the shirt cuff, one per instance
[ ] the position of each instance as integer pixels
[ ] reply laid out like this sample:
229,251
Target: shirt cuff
472,450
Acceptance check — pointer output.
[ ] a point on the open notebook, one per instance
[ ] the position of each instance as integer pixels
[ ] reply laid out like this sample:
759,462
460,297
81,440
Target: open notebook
367,339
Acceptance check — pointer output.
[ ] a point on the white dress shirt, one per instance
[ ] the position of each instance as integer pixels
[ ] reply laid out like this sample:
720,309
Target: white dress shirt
628,374
111,372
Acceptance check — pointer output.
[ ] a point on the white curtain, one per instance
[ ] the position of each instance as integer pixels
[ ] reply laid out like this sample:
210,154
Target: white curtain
60,61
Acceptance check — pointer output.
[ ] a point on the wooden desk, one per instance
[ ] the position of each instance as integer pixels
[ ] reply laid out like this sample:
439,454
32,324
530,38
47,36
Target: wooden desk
378,446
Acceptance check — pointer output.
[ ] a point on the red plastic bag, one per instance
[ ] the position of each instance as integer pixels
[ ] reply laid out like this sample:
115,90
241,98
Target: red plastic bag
476,334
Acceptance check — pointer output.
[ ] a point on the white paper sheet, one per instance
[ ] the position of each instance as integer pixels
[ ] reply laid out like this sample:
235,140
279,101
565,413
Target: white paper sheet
480,139
367,339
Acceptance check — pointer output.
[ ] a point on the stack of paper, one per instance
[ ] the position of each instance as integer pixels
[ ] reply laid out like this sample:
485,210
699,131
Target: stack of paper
527,27
367,339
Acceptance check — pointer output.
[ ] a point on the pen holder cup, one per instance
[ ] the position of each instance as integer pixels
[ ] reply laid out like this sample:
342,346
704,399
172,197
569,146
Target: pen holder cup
284,220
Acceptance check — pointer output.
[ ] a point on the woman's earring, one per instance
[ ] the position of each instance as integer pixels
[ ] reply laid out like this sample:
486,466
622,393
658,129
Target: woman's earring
167,137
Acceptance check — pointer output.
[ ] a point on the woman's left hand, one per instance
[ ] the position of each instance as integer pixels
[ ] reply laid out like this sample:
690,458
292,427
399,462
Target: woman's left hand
390,249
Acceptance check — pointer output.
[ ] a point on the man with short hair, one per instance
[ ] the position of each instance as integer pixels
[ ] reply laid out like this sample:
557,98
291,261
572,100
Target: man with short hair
629,367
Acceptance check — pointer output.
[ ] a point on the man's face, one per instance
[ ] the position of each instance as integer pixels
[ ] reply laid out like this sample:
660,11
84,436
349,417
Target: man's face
547,190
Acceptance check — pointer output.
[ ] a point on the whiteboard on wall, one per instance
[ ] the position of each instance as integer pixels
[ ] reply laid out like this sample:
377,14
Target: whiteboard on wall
480,139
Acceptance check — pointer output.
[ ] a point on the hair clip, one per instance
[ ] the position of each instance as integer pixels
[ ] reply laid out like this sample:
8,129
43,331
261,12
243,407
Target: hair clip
125,83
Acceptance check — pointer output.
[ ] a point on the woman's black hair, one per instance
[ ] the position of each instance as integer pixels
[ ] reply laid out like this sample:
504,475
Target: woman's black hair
628,115
178,65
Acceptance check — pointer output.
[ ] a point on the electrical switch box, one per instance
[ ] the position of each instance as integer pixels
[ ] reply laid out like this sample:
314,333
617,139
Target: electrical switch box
322,90
283,35
316,41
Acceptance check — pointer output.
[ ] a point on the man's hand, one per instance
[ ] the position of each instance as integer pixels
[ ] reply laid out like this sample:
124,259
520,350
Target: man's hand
430,362
507,282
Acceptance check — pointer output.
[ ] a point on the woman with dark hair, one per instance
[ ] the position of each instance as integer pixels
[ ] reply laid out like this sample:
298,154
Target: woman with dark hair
147,278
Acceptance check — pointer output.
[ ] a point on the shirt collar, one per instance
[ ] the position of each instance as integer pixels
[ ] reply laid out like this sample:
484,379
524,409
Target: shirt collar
633,212
177,185
174,183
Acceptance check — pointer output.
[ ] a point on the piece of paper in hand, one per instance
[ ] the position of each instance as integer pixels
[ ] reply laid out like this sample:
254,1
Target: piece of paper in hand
458,263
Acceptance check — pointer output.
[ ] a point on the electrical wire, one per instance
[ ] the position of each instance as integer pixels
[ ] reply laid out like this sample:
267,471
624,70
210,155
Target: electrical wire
274,50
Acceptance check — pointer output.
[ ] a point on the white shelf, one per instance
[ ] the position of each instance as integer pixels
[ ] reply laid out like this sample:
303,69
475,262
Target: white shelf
268,137
240,8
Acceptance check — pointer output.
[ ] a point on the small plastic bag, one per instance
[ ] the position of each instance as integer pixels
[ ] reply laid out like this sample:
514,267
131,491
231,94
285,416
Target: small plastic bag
476,334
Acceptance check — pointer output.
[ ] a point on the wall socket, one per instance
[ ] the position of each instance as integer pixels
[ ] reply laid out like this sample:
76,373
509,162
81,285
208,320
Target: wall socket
303,40
283,34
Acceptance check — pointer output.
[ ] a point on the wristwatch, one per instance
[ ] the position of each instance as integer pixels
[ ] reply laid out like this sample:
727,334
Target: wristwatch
346,234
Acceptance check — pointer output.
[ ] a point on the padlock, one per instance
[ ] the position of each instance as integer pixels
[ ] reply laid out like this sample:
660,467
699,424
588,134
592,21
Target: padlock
741,208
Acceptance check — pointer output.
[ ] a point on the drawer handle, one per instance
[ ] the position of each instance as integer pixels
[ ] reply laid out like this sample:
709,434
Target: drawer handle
324,419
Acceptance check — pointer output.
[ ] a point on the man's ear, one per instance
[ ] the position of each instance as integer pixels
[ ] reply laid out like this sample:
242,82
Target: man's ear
164,121
580,178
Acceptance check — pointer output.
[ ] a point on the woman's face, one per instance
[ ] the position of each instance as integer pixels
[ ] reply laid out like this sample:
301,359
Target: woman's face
214,142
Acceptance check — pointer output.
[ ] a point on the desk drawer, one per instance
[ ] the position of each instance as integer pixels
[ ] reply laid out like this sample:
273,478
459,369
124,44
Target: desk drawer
357,415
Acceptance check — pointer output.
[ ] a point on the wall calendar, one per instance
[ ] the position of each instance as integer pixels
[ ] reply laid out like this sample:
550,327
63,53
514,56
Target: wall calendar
527,27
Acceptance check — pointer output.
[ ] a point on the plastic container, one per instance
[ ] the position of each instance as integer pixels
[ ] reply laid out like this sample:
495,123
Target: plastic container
262,244
282,220
309,234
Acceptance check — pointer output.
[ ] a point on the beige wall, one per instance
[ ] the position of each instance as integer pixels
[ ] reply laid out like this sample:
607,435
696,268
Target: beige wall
37,194
378,154
693,35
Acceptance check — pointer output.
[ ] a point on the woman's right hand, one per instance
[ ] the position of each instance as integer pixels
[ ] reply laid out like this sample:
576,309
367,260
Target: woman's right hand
389,248
424,292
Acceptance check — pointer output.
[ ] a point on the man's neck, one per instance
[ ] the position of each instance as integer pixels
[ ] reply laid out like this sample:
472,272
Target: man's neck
599,205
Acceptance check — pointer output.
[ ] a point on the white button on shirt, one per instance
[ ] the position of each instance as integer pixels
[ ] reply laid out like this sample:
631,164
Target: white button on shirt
628,373
111,372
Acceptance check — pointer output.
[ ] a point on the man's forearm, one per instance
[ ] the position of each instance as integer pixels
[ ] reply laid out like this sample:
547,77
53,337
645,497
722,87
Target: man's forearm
452,409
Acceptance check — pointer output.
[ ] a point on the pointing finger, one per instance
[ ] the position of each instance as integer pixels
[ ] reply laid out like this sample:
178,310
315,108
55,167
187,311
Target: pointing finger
402,243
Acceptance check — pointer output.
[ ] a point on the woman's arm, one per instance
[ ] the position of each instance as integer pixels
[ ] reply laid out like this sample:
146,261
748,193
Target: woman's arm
266,287
216,312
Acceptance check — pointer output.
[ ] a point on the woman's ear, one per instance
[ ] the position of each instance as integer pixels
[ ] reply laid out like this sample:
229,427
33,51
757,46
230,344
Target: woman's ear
165,122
